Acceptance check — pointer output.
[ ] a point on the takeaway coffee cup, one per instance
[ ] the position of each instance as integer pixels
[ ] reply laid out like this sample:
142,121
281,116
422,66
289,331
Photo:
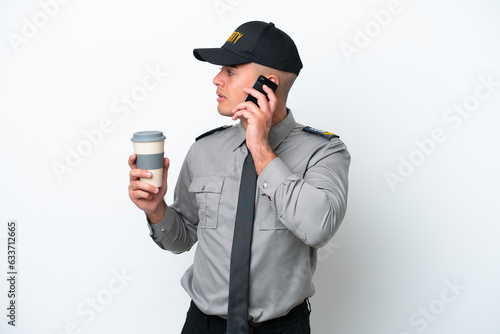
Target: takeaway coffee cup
149,148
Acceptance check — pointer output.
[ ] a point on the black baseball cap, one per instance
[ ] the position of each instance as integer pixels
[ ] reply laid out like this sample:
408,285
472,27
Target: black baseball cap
257,42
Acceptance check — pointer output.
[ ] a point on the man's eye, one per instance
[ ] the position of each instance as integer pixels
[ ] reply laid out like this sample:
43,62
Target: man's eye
229,72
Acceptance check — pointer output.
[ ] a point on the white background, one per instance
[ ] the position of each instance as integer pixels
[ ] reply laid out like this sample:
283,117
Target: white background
390,266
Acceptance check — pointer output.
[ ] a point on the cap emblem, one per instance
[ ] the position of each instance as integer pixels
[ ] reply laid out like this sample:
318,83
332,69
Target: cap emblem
235,36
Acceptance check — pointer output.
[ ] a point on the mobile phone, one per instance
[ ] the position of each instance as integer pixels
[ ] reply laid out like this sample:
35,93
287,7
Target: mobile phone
261,81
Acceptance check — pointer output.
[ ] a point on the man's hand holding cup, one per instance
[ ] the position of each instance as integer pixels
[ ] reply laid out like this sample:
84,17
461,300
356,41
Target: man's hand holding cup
148,174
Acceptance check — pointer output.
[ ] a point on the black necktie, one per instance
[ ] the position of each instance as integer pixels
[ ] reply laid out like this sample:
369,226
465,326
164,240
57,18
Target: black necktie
237,317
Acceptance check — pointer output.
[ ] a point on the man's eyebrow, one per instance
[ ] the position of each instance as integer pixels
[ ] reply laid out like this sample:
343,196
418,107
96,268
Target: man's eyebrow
233,66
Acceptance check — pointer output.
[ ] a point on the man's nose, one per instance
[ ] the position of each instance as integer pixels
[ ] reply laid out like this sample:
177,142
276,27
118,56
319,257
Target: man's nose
218,81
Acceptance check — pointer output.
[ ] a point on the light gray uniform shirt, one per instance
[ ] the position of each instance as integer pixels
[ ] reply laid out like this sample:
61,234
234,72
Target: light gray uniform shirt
300,202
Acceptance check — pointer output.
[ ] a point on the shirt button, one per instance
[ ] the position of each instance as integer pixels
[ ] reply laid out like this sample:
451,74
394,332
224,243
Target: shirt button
264,185
162,229
279,215
203,187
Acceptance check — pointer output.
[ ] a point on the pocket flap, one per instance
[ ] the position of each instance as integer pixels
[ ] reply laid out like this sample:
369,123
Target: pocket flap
206,184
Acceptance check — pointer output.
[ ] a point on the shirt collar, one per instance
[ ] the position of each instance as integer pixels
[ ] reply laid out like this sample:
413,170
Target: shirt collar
277,134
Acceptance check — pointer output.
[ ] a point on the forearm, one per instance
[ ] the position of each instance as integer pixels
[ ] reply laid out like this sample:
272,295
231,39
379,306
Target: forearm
263,158
311,207
156,216
174,227
172,232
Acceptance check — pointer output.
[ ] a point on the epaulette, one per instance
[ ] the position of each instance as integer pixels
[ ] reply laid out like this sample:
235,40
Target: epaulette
325,134
208,133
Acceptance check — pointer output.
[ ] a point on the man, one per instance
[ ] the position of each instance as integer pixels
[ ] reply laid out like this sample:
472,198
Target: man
300,199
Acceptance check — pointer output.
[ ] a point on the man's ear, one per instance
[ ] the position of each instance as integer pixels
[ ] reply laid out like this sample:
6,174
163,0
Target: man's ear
274,79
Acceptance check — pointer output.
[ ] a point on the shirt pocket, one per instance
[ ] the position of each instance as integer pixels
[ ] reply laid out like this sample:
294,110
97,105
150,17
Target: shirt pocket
207,190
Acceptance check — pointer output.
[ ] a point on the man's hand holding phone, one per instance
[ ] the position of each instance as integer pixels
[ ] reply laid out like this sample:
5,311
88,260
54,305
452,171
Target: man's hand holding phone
257,117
